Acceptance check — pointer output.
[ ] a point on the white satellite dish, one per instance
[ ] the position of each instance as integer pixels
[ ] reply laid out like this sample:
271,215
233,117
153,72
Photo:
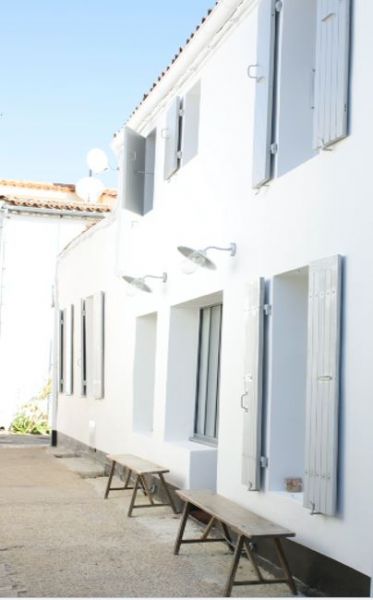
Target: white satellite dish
89,189
97,160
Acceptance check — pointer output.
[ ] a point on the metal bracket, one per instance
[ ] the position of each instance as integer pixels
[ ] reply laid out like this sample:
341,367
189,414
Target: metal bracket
251,76
278,6
179,154
274,148
267,309
264,462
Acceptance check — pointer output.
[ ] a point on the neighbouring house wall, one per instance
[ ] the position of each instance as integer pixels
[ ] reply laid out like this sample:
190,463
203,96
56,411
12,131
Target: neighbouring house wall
319,209
29,247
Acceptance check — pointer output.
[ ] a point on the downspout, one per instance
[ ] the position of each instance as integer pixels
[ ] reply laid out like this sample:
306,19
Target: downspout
3,216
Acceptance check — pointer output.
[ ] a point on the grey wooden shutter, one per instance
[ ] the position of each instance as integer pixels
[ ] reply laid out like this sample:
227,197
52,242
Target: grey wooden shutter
98,345
69,350
83,350
172,141
251,399
134,171
331,71
191,123
324,312
61,335
264,94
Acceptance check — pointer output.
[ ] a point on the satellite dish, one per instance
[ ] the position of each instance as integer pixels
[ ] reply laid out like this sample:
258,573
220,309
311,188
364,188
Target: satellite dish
97,160
89,189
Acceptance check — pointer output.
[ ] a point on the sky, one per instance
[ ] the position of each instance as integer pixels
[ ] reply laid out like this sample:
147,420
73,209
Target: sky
72,71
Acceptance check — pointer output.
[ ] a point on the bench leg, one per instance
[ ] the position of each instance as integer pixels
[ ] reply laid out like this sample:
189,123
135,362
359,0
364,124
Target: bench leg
285,565
128,477
110,480
183,521
252,558
168,493
227,536
133,496
208,529
146,489
232,573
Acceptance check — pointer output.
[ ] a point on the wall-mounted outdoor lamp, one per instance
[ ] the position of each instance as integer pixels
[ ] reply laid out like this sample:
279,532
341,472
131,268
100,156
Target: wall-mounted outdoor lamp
139,282
199,258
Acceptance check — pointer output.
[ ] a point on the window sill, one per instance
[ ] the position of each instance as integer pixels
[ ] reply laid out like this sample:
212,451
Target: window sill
294,496
205,441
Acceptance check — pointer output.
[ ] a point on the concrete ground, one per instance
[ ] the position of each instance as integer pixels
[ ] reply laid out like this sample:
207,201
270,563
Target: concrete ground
59,538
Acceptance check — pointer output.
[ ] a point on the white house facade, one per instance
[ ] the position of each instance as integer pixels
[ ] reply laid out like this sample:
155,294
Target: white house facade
37,220
254,377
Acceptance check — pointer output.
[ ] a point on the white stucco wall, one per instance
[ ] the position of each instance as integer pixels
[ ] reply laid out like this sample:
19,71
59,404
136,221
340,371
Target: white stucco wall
319,209
29,246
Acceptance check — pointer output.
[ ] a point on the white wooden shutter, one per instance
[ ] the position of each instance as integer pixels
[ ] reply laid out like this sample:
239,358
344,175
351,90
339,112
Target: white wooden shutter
171,156
264,94
191,123
98,345
331,71
251,399
69,349
324,311
133,171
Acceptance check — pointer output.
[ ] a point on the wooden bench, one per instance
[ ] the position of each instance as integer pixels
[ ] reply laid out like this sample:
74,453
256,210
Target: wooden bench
248,527
139,467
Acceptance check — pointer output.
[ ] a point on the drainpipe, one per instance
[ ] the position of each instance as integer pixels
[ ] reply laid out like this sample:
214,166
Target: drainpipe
3,216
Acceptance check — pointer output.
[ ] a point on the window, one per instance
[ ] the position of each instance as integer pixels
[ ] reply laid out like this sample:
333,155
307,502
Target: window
305,327
182,130
139,171
301,75
207,396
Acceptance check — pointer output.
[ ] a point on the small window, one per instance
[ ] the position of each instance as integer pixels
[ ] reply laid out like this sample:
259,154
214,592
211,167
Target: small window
207,397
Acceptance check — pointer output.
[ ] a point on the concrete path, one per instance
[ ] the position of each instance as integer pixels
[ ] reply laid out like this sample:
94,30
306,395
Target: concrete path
59,538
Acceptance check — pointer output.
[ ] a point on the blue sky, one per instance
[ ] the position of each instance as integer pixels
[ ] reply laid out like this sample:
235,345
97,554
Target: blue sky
72,72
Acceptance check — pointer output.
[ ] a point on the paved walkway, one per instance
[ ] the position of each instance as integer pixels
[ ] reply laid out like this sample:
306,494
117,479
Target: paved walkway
59,538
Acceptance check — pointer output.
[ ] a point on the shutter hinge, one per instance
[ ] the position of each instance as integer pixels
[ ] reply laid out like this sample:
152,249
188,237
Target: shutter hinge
267,309
278,6
181,112
264,462
179,154
274,148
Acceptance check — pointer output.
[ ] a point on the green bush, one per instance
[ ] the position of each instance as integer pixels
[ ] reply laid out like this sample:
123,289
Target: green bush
30,419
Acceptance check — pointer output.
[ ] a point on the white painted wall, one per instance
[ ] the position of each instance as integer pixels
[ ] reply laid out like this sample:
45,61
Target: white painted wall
29,247
319,209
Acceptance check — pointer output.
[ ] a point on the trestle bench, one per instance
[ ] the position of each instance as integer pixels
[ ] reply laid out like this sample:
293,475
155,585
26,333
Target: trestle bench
248,527
139,468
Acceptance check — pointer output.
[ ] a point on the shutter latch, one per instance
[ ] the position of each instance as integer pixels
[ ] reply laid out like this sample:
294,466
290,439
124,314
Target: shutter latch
267,309
274,148
264,462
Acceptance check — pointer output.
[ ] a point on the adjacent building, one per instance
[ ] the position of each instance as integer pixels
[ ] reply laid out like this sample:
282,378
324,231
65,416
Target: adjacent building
36,221
242,360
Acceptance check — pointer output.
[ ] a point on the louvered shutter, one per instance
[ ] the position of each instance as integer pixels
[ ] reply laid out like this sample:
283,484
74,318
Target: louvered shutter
171,156
133,171
98,345
69,350
83,350
324,312
251,399
264,94
191,123
331,71
61,342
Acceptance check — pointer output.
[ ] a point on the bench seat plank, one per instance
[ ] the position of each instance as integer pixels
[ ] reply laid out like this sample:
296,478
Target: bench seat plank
136,464
239,519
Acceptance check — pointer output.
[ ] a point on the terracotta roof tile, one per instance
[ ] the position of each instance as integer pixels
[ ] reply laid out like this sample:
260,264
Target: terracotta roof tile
176,56
57,204
53,187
